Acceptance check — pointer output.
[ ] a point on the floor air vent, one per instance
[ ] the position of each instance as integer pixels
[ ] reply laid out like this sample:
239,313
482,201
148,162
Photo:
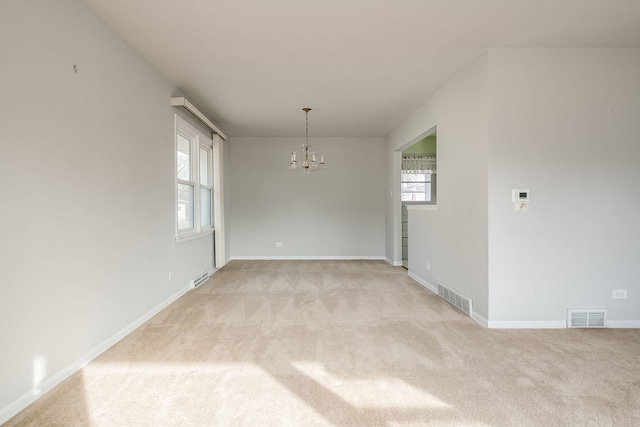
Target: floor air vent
200,279
586,318
455,298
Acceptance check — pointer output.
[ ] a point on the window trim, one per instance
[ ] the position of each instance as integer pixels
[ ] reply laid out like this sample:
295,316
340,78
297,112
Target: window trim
197,140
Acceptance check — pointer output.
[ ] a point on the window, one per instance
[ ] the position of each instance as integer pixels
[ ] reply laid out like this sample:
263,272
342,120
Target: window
418,179
194,184
416,187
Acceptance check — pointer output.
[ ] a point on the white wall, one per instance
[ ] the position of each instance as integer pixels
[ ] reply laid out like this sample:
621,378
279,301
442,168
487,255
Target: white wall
565,124
87,218
454,238
338,212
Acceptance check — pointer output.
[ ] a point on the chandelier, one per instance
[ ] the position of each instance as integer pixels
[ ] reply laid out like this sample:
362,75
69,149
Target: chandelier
309,162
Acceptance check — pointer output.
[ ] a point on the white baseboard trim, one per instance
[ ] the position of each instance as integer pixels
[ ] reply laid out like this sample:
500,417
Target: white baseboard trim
547,324
308,258
394,263
423,282
481,320
12,409
533,324
623,324
475,316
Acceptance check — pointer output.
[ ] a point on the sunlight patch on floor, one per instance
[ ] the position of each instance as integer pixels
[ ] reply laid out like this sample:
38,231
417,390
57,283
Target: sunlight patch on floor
171,368
220,394
378,392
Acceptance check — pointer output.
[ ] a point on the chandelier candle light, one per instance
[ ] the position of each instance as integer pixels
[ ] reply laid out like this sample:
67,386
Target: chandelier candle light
309,162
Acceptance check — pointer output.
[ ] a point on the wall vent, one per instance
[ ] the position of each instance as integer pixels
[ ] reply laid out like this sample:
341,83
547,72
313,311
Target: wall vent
199,279
455,298
586,318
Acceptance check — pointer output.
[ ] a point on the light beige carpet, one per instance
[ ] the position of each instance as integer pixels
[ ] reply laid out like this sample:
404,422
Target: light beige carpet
352,343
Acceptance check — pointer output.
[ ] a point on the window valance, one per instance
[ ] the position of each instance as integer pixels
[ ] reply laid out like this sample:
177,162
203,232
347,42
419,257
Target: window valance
419,164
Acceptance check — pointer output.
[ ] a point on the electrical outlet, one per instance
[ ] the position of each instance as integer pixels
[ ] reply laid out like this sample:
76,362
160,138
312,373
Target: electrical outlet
278,244
428,265
171,275
619,294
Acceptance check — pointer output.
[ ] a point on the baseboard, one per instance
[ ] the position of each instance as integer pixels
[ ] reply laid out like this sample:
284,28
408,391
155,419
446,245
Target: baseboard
539,324
623,324
394,263
423,282
475,316
12,409
552,324
548,324
481,320
558,324
308,258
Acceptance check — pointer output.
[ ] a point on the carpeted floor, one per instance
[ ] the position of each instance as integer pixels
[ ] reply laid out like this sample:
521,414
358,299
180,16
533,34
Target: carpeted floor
343,343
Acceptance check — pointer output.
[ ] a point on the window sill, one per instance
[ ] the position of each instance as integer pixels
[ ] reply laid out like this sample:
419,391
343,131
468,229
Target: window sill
422,207
192,236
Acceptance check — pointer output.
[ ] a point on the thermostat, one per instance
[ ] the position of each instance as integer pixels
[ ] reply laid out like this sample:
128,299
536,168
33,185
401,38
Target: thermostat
520,199
520,196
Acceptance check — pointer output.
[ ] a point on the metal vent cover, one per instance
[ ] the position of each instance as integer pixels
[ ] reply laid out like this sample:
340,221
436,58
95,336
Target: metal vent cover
455,298
200,279
586,318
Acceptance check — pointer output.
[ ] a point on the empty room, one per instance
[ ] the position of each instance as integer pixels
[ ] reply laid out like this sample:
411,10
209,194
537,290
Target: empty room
320,213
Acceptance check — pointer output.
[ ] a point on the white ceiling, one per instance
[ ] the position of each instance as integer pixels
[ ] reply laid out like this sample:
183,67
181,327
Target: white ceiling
362,65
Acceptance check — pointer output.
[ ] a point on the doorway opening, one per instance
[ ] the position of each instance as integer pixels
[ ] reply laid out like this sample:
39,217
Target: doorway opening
418,182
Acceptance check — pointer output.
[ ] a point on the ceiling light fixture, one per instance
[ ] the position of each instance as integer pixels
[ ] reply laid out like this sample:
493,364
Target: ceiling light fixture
309,162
